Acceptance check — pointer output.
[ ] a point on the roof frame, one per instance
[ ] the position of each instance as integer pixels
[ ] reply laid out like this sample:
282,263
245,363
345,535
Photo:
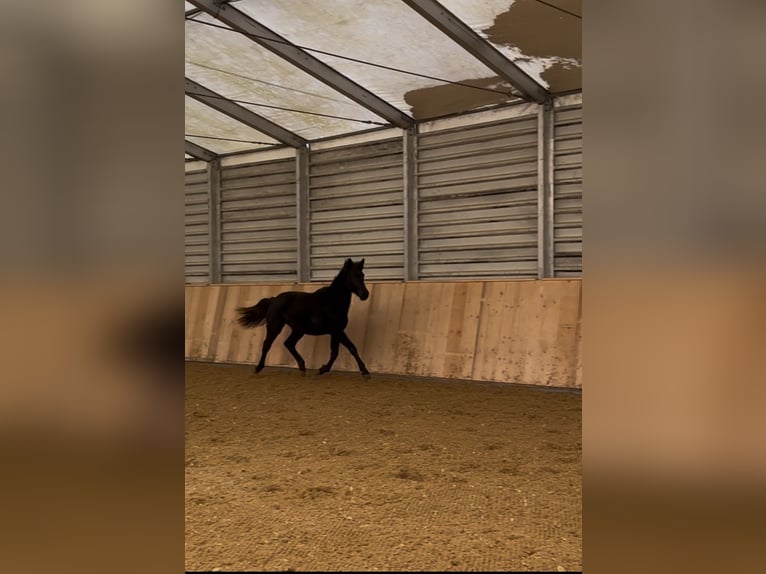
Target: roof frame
477,46
242,114
199,152
241,22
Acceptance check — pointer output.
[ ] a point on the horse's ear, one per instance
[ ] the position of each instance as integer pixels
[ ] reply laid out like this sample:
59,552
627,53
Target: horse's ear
348,263
361,264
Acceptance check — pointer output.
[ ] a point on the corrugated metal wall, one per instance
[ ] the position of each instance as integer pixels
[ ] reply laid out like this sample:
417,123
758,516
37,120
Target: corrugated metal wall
477,200
475,204
258,222
567,191
196,228
356,209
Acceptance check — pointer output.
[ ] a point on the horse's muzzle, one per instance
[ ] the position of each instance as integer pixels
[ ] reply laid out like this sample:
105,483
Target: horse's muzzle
364,295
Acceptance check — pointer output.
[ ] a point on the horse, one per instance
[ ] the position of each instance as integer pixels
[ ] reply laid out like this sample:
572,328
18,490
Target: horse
323,312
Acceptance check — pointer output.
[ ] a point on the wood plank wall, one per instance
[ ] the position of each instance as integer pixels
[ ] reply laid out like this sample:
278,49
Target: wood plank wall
521,331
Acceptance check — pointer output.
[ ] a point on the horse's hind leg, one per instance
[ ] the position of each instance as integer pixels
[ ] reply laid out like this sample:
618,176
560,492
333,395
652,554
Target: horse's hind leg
334,345
352,349
272,330
290,342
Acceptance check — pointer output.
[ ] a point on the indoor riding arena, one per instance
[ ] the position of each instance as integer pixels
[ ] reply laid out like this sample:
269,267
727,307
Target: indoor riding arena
441,143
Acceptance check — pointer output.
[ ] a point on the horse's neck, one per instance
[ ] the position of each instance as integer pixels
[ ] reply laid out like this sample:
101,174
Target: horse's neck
340,292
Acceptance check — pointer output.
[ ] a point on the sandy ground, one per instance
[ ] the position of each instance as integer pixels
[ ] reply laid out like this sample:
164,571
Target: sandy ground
341,473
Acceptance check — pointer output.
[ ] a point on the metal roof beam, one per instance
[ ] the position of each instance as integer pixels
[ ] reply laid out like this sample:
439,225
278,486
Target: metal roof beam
469,40
199,152
270,40
241,114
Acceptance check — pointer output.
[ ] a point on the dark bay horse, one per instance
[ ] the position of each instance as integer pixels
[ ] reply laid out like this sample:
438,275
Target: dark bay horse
323,312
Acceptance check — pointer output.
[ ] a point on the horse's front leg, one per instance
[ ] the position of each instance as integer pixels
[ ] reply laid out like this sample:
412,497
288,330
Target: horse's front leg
334,345
352,349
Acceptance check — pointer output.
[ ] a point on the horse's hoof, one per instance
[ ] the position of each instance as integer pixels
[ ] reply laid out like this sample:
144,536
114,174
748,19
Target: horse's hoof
322,370
257,370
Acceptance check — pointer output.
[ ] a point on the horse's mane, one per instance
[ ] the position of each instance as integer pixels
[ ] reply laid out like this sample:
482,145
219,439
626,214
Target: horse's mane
338,279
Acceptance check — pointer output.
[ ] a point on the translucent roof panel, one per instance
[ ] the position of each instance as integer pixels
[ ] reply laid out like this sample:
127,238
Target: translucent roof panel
542,38
238,68
219,133
386,47
389,33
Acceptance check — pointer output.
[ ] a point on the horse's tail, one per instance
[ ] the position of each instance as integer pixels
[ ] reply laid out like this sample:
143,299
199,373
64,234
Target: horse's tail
255,315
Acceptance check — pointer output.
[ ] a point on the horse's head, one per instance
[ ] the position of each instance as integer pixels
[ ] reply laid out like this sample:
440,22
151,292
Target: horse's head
353,272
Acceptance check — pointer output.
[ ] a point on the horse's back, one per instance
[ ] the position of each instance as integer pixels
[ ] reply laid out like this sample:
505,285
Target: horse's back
312,313
287,295
289,302
288,299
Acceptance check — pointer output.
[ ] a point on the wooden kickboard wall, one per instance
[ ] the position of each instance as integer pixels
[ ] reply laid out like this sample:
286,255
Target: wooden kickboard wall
521,331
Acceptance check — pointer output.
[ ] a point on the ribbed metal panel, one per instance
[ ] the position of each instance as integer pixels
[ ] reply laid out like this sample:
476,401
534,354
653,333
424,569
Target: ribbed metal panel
258,222
356,209
567,194
196,239
477,200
